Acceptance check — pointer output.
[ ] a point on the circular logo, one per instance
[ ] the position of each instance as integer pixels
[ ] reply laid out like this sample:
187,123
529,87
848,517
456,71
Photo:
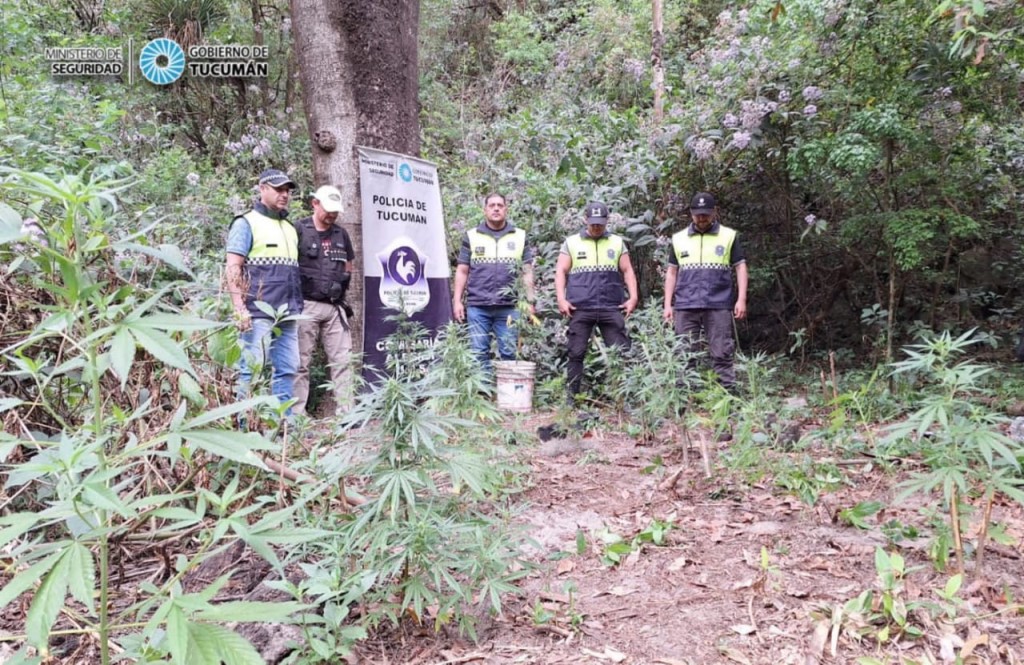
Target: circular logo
404,266
162,61
405,172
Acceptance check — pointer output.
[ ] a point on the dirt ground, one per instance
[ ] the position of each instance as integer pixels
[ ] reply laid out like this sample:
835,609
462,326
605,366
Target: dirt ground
748,574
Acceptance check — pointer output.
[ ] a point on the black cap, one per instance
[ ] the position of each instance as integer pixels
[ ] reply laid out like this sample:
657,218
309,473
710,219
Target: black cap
703,203
596,213
276,178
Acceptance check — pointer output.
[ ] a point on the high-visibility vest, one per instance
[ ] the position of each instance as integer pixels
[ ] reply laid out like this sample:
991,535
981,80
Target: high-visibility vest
493,267
704,279
594,280
272,266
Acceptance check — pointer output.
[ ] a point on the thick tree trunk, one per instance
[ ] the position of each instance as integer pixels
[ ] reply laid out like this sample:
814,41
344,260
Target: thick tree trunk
360,85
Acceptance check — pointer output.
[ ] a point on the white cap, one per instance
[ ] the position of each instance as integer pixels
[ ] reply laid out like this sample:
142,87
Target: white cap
329,198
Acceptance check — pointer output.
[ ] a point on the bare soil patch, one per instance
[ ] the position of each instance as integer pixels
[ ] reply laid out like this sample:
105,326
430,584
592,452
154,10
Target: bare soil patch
707,596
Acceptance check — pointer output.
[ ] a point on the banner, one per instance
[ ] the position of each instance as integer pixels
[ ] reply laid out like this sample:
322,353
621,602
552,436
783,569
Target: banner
405,254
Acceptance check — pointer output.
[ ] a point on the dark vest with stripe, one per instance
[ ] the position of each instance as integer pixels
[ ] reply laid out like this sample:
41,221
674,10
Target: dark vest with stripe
493,267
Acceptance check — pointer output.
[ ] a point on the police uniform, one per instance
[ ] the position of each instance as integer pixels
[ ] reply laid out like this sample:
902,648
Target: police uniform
324,263
269,243
495,258
704,296
595,287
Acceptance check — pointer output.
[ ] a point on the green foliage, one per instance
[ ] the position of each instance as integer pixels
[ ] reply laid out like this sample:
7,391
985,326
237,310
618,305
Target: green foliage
614,548
857,515
959,439
109,443
427,545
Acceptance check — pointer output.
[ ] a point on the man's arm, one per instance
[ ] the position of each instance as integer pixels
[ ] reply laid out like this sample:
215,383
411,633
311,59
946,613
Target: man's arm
234,276
671,272
740,310
561,279
461,279
626,268
350,251
531,294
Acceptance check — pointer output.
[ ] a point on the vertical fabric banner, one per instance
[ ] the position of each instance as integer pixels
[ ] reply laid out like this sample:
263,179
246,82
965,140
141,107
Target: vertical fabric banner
405,253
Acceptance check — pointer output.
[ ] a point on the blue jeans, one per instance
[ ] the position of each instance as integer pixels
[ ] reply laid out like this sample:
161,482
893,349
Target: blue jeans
483,321
282,348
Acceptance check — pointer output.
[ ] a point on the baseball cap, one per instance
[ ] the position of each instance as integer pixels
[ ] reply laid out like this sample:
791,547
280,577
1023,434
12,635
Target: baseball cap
596,213
703,203
329,198
275,178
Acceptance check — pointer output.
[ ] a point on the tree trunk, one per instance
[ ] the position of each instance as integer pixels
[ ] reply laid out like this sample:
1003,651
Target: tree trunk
657,41
360,85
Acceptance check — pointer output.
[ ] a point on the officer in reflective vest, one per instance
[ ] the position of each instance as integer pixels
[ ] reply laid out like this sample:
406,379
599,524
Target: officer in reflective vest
491,258
699,293
263,269
592,277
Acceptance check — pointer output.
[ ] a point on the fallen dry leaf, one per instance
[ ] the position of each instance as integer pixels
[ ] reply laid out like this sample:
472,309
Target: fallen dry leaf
971,643
608,654
678,564
817,646
670,661
621,591
566,566
743,629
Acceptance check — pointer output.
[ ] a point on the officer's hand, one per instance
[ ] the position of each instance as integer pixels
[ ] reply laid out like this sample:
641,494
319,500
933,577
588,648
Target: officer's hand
243,320
740,310
667,315
459,311
629,306
565,307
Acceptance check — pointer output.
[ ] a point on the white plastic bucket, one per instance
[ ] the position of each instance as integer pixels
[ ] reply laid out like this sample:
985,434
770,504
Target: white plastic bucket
514,379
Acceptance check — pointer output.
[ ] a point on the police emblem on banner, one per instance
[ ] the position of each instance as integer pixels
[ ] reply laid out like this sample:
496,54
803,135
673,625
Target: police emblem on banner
404,284
719,250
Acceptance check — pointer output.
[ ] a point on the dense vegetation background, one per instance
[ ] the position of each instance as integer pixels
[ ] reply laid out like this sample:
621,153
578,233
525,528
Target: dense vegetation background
870,153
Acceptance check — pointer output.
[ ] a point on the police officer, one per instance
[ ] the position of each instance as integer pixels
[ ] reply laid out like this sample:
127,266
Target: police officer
325,265
699,294
490,260
262,266
592,277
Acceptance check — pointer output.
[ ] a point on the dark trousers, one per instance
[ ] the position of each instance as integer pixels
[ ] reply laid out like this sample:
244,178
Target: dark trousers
612,324
716,326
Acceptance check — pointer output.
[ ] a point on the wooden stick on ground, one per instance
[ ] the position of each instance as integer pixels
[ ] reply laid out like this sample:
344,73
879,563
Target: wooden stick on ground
705,454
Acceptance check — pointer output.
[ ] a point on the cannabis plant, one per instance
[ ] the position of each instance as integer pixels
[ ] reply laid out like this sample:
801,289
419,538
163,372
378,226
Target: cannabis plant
112,449
428,537
958,435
